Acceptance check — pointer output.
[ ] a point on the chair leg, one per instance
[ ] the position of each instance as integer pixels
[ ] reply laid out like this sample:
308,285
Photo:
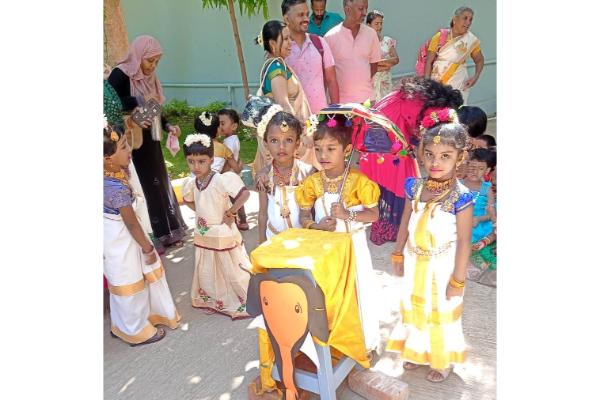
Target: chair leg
325,374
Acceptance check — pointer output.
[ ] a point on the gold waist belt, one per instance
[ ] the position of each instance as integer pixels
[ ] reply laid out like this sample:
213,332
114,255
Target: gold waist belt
429,253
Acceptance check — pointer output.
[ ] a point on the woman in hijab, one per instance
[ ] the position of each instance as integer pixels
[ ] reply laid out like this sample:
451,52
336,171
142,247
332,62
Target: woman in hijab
135,81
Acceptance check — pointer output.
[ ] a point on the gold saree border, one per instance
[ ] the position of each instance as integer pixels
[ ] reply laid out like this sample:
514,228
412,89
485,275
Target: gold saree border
146,333
134,288
172,323
399,346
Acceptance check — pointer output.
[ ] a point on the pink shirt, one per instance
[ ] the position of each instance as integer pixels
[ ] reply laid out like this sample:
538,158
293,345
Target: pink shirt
307,65
352,61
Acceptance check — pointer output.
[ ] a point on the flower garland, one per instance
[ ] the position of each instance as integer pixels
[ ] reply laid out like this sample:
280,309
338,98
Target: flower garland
435,117
264,121
206,118
311,125
197,137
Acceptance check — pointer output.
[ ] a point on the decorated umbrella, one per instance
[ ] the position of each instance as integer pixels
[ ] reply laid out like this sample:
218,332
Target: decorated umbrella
372,131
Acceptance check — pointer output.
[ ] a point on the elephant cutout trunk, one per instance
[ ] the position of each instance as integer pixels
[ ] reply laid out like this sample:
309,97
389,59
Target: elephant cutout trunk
292,306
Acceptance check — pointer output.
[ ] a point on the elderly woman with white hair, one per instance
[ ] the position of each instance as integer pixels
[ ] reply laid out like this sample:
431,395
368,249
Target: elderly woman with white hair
448,52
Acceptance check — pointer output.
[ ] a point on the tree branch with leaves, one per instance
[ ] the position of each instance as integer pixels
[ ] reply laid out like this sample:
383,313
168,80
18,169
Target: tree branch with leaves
246,7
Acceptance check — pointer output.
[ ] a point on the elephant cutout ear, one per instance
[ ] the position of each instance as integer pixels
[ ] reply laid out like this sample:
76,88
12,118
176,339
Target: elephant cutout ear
253,304
317,314
317,322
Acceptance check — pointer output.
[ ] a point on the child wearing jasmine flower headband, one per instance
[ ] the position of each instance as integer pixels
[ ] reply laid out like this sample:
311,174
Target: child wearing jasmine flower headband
280,133
221,275
223,160
432,252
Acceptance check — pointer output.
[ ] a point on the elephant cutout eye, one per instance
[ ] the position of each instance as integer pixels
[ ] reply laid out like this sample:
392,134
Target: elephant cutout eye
298,309
265,301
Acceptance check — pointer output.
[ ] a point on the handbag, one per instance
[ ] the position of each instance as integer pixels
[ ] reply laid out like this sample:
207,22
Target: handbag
133,133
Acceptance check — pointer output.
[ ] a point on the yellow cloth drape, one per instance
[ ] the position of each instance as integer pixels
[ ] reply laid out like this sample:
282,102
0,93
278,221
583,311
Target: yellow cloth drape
330,257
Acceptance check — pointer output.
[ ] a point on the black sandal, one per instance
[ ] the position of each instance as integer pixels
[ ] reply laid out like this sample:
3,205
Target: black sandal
159,335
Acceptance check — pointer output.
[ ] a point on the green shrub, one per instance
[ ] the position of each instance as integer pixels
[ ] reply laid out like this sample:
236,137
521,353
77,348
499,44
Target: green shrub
179,112
180,109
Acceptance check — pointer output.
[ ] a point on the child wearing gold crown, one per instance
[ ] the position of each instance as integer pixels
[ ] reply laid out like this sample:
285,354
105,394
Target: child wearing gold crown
139,295
221,276
432,252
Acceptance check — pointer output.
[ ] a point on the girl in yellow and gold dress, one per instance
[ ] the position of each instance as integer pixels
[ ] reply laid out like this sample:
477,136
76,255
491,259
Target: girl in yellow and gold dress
432,251
356,207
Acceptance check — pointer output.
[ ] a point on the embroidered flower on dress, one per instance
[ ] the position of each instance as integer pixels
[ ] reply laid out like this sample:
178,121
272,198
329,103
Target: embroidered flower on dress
202,226
197,137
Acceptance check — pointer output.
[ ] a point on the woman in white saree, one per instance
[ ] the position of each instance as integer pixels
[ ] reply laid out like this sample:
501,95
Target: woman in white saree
447,64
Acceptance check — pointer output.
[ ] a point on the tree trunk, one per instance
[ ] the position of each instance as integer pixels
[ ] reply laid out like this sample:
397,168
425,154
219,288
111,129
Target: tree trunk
115,33
238,44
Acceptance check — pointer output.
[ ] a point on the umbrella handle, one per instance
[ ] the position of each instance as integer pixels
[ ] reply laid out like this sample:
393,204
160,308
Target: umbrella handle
347,170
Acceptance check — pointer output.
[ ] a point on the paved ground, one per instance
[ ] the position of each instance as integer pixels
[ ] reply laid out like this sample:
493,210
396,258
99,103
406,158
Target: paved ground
210,357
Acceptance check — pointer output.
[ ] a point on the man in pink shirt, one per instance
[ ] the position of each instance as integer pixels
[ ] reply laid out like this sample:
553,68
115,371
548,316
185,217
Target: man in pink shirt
356,51
313,71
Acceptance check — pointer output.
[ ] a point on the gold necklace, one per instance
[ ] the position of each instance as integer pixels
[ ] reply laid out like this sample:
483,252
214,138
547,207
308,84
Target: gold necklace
437,186
120,175
282,179
201,184
332,183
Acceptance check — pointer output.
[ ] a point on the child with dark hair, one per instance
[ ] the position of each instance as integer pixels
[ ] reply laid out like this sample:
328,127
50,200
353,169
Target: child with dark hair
229,123
484,213
280,132
474,118
223,161
279,83
221,275
347,211
484,142
406,106
139,294
432,252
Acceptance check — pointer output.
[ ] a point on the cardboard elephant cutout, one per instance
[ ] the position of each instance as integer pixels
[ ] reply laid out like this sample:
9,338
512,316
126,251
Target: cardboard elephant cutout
292,306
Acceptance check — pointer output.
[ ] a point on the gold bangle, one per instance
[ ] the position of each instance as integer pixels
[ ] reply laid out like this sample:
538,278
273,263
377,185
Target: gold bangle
308,224
397,257
456,284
